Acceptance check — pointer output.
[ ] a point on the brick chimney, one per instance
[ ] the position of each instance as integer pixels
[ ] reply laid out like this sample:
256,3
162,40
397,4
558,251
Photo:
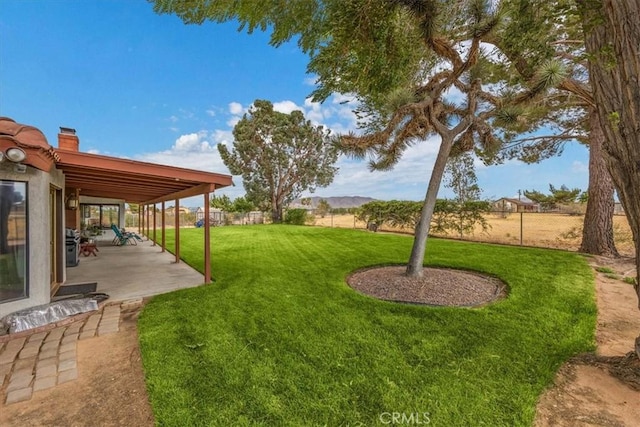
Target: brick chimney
67,139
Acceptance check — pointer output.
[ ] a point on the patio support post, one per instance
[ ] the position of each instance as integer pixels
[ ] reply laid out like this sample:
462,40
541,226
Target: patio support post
139,219
177,229
207,240
164,242
154,224
147,222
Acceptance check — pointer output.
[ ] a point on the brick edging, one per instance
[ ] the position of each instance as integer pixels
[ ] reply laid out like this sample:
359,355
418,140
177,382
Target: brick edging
125,305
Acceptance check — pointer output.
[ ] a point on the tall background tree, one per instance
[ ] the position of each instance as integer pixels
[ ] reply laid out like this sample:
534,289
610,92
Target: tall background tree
279,156
539,38
612,39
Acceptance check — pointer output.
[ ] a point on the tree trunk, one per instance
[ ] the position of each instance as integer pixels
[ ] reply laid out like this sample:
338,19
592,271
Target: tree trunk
276,215
612,40
276,208
597,231
414,267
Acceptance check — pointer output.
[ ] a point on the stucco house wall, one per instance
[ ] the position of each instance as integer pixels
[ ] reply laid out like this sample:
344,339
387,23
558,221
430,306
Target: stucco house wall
39,226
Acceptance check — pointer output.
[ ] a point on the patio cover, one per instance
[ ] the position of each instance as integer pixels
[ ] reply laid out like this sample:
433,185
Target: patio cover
142,183
134,181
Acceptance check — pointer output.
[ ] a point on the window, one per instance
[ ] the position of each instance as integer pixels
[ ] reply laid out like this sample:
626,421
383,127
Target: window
100,216
13,240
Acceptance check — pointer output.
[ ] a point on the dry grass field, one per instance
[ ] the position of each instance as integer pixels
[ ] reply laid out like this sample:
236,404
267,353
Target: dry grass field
547,230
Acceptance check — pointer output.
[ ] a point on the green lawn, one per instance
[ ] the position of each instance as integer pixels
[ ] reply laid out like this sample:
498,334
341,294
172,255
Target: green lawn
280,339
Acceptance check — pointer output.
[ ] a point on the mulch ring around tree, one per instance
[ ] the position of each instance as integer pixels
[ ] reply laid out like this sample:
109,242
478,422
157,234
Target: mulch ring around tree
437,286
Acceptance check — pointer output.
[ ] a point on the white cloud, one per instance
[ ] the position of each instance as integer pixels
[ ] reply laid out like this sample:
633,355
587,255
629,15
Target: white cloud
316,112
210,113
286,107
192,142
222,136
235,108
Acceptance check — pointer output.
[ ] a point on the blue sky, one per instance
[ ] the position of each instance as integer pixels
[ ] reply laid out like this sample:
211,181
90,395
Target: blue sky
144,86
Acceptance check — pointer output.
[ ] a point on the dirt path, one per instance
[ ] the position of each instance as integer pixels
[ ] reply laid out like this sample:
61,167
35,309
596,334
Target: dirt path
585,391
110,389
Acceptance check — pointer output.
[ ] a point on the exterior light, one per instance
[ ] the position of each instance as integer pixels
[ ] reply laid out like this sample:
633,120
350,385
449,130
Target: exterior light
15,154
72,202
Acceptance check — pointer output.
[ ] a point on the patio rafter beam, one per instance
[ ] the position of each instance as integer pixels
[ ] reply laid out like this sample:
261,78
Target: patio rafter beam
124,178
190,192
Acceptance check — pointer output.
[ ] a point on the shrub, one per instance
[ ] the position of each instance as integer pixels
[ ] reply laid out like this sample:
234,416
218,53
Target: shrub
296,217
448,215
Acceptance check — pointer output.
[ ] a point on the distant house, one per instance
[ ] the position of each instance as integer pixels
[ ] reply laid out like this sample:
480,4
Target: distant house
507,204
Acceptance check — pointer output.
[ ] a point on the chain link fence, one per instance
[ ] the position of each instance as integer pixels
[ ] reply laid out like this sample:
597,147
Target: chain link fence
196,219
547,230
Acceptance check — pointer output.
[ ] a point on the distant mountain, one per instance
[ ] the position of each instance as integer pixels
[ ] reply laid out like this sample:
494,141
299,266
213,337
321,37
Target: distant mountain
335,202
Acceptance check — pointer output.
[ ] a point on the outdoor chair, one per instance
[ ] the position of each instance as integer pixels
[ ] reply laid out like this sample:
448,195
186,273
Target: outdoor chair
124,238
131,233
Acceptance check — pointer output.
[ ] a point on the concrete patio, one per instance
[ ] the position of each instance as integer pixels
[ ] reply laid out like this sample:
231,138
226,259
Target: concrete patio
132,271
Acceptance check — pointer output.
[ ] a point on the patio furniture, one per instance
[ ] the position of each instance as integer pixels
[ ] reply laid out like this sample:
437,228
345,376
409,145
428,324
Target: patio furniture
131,233
89,248
122,239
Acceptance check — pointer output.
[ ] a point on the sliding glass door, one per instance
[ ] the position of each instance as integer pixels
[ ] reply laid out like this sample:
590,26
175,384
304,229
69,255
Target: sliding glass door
100,216
13,240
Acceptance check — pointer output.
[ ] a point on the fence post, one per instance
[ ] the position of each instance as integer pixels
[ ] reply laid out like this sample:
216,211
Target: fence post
521,218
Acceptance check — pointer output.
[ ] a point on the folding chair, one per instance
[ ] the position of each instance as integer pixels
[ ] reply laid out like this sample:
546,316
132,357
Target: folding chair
121,238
